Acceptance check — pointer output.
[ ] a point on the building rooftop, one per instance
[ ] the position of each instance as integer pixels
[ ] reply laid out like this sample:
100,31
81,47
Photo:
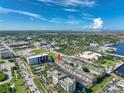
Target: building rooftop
89,65
82,73
75,72
90,54
34,56
66,81
58,74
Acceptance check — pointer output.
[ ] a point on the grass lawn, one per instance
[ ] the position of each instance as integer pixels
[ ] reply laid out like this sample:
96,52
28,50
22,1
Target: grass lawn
98,87
5,88
106,63
20,86
109,62
39,51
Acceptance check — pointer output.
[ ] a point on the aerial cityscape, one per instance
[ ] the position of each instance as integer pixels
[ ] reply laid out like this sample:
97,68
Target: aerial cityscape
61,46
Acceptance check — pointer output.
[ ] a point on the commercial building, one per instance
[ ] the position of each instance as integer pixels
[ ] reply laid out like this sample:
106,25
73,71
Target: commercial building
37,59
68,84
7,54
90,55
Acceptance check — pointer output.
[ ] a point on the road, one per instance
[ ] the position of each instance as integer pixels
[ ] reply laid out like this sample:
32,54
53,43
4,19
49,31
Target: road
28,78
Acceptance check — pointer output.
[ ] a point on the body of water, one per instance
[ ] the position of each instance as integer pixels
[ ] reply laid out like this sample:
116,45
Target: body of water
120,51
120,71
119,47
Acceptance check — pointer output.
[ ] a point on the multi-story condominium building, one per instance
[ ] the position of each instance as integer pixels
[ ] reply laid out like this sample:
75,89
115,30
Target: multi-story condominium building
95,69
57,75
68,84
80,75
37,59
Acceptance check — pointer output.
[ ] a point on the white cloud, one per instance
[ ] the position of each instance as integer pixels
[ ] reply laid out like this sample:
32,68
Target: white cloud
72,2
97,23
73,22
46,1
7,10
70,10
85,3
32,16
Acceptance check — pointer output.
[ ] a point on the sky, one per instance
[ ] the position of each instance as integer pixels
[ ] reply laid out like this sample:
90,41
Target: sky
77,15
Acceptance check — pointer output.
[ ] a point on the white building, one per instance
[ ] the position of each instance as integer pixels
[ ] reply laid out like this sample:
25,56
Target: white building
94,45
57,75
90,55
37,59
68,84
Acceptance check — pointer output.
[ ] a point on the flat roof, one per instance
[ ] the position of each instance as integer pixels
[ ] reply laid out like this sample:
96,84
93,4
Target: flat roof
66,81
34,56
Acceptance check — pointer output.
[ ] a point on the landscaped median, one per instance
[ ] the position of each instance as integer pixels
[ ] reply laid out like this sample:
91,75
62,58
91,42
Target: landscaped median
96,88
40,85
50,53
